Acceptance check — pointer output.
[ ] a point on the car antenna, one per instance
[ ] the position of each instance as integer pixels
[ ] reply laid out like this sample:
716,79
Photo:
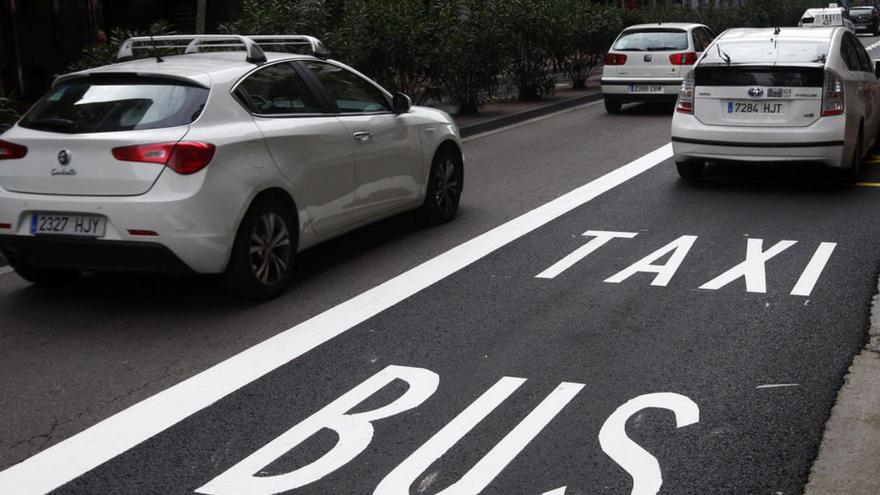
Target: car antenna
153,51
777,31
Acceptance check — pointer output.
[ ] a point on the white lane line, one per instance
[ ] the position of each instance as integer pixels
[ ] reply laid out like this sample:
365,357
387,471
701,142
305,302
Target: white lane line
92,447
778,385
808,279
872,46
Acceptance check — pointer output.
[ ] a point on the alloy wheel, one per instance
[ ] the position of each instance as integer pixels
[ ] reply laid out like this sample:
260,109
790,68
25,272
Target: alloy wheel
270,248
447,187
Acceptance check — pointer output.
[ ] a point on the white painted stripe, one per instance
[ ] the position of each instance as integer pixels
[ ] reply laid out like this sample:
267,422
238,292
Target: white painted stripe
778,385
5,269
808,279
90,448
871,47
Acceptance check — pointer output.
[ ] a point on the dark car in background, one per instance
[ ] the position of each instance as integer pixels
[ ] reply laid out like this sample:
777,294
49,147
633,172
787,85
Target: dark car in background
866,19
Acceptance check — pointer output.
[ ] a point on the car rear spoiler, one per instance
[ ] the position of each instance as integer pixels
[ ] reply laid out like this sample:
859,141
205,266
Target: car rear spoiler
196,42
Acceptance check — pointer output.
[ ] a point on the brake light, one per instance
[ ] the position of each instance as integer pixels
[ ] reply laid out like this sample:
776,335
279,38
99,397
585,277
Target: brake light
686,95
185,157
11,151
688,58
832,95
615,59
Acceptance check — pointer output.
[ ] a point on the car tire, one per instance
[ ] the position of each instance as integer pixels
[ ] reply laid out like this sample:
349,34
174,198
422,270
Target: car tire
263,254
690,170
613,106
445,184
40,275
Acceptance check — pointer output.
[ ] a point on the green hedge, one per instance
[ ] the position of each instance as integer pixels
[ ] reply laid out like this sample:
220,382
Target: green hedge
460,50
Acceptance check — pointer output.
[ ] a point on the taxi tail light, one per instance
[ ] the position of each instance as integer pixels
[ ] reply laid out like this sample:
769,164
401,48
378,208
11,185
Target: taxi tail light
832,95
615,59
687,58
11,151
685,102
185,157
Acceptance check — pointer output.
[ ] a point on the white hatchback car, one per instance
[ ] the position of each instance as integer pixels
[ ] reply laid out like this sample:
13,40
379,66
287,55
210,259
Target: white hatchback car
215,162
648,62
779,95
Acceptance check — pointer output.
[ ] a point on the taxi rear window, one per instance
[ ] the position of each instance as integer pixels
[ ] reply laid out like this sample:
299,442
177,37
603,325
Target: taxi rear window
767,52
652,40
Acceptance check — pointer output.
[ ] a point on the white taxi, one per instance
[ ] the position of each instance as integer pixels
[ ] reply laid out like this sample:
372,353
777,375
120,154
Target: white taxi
779,95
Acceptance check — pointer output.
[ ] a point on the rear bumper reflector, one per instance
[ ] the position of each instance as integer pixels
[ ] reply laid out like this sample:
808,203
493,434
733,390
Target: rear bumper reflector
6,226
142,233
735,144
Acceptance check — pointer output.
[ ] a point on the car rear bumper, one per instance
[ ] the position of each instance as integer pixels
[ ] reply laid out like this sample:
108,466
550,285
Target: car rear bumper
91,254
180,223
618,89
822,142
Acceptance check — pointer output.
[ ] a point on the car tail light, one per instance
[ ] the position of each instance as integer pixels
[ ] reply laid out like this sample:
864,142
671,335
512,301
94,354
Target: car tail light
686,96
832,95
11,151
688,58
615,59
185,157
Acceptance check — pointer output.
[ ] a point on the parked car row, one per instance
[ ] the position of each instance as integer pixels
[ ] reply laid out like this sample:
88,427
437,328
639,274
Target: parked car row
761,95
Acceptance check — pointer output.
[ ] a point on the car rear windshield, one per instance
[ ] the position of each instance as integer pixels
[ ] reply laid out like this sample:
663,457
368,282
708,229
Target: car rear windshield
652,40
789,77
113,104
767,52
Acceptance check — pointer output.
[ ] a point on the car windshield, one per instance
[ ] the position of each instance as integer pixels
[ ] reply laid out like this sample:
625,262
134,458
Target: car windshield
109,105
652,40
767,52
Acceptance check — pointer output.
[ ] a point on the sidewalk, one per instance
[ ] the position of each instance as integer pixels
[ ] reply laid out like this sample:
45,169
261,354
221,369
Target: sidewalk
849,457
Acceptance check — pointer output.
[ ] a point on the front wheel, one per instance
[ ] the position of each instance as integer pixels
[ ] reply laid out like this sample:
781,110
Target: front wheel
46,276
261,264
445,184
690,170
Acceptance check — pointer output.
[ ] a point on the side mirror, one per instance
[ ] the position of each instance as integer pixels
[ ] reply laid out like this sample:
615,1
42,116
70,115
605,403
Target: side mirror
400,103
877,68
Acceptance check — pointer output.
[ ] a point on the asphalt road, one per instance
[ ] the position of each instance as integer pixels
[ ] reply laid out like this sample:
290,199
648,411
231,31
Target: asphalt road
748,369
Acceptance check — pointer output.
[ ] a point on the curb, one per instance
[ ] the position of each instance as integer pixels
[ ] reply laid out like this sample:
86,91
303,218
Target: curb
514,118
847,463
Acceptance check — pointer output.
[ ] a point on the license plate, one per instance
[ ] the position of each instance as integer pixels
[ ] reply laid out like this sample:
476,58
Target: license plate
755,107
645,88
73,225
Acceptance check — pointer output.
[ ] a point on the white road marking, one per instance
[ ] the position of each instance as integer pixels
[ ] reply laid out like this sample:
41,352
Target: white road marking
679,249
399,480
778,385
558,491
354,432
486,469
805,284
641,465
90,448
752,268
872,46
5,270
600,239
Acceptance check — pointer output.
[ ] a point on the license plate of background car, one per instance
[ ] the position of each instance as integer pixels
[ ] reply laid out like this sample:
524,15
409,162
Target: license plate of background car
69,225
645,88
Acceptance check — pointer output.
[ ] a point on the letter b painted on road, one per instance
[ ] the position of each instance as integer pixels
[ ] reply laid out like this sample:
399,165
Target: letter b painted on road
355,433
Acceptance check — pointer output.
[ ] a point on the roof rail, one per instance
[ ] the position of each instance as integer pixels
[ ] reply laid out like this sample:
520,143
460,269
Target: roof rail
195,42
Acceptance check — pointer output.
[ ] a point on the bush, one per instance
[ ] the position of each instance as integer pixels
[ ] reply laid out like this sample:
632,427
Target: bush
533,30
477,53
584,32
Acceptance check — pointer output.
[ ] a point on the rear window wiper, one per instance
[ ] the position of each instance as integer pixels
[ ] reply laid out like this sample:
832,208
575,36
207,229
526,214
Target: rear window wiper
723,54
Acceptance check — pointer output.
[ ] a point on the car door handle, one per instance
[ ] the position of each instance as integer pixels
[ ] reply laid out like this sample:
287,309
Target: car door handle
362,136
